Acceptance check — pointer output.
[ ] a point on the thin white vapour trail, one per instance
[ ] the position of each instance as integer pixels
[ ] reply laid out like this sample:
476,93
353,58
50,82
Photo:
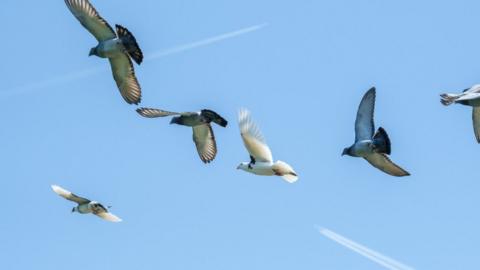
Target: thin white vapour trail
153,56
204,42
374,256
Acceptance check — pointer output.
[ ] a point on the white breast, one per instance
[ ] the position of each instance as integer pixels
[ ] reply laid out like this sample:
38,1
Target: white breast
262,168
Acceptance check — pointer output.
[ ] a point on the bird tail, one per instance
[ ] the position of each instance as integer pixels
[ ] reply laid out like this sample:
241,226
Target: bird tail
285,171
215,117
448,99
381,141
130,43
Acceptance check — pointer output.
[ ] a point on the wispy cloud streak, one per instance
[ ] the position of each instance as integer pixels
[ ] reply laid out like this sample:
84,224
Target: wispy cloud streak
372,255
152,56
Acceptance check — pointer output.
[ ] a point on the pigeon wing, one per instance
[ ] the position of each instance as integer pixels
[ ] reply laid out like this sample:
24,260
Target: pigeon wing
109,217
364,125
90,19
383,163
473,89
124,75
69,195
205,142
468,96
154,113
253,138
476,122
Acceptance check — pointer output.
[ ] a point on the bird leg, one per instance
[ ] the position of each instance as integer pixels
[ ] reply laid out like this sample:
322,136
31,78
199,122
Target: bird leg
252,162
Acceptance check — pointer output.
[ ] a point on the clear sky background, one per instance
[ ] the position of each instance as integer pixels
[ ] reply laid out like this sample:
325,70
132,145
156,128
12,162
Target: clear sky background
302,76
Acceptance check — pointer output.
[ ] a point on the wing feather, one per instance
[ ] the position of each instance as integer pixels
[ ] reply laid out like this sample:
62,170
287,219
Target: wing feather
383,163
124,75
476,122
364,125
90,19
153,113
253,138
205,142
69,195
108,216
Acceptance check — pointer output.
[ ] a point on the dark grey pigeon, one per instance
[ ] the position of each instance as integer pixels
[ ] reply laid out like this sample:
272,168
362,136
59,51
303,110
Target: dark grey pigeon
118,46
200,122
374,147
469,97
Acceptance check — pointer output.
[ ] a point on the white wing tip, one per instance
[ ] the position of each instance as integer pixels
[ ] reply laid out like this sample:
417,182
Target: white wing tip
110,217
59,190
290,178
243,114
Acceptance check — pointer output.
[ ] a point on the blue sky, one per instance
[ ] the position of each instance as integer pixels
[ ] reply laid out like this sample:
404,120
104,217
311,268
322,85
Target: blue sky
302,76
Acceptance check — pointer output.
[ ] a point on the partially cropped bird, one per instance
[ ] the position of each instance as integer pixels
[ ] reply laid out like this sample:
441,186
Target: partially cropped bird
85,206
469,97
374,147
118,46
261,159
200,122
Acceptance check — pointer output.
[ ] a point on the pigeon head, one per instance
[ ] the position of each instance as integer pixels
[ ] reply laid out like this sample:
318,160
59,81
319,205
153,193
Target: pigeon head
346,151
93,51
175,120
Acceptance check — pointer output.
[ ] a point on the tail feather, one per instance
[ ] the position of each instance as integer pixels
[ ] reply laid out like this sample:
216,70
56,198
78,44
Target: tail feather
448,99
130,44
285,171
382,141
215,117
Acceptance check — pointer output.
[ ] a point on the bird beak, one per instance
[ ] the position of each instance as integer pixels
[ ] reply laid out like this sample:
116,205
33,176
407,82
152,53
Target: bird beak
344,152
238,167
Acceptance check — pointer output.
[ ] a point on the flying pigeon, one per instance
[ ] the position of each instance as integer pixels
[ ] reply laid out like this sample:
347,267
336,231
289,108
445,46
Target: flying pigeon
118,46
261,160
200,122
469,97
374,147
85,206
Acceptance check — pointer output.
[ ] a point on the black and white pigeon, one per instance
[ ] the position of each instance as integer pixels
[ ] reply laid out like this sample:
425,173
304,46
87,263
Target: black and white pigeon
118,46
202,129
374,147
85,206
469,97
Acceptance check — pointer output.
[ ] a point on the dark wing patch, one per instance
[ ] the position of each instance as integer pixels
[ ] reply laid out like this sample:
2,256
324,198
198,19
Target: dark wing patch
214,117
130,43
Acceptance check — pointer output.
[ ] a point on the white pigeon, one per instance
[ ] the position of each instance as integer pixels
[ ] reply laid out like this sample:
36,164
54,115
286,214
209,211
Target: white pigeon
261,160
85,206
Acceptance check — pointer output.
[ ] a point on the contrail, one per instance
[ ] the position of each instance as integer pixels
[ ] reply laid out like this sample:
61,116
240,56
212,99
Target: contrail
205,42
374,256
153,56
